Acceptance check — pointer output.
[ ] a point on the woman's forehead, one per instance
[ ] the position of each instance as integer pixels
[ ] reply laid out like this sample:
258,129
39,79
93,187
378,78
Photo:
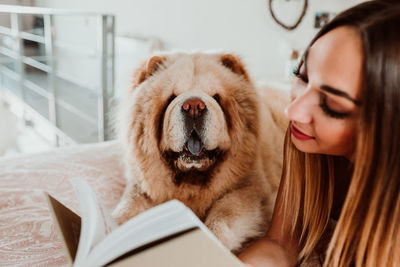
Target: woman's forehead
335,59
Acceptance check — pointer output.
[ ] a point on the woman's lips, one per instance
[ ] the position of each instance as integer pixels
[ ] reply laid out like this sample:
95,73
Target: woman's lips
298,134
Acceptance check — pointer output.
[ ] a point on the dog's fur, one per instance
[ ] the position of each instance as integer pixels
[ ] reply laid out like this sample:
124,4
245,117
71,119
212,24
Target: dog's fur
231,184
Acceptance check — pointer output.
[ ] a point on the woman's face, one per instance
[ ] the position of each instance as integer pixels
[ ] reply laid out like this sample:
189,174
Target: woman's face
324,95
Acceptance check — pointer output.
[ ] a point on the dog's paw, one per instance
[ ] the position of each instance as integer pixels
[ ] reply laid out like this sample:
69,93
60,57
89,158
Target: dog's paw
131,204
121,215
128,209
226,234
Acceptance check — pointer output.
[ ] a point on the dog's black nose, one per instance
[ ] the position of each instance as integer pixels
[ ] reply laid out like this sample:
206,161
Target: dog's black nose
194,107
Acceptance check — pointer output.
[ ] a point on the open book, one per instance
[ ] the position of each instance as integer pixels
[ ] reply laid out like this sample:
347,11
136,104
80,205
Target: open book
167,235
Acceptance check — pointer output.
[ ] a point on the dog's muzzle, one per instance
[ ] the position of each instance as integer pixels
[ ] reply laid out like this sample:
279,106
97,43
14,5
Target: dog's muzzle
194,110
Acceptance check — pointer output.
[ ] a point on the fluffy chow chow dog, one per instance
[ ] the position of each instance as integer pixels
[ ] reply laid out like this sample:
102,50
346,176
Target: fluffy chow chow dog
194,128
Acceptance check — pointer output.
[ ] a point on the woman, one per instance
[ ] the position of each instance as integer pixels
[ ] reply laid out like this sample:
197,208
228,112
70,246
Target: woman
342,149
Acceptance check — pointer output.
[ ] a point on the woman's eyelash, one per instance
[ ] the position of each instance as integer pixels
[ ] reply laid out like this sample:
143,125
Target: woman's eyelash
324,106
302,77
328,111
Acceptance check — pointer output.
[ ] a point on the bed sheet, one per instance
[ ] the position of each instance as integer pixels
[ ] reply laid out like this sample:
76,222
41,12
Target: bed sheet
27,233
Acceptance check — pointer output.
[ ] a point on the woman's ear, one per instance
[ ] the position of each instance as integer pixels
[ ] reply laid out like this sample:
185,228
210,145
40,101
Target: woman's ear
234,64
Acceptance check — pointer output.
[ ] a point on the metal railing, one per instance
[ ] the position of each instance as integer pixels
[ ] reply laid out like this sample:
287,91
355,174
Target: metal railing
16,85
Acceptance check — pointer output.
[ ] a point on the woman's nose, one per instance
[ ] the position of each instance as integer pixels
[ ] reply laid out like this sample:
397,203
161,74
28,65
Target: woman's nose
299,109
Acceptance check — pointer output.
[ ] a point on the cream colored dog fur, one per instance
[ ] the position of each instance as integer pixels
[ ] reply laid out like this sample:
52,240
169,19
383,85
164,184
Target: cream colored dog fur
194,128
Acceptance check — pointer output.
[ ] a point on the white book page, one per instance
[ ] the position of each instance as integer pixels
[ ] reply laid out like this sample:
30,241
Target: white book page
151,225
96,221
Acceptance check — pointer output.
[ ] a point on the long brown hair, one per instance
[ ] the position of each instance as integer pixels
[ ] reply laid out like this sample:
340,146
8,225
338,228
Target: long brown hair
368,229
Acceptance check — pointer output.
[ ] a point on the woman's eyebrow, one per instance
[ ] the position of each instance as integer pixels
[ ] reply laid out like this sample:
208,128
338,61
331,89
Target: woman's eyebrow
338,92
328,88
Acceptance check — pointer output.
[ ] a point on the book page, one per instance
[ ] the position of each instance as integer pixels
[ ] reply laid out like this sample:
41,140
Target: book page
97,222
68,225
154,224
193,248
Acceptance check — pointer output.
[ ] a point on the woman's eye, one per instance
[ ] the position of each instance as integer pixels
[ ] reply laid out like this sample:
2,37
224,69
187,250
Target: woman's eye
300,75
330,112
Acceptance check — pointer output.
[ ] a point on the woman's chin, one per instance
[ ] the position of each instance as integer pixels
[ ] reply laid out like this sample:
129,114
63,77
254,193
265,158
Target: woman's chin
307,146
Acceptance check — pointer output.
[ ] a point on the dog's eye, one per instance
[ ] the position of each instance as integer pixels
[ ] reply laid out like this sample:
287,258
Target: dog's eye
217,98
170,99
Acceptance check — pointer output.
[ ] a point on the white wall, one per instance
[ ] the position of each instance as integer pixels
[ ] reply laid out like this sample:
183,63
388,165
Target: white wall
244,27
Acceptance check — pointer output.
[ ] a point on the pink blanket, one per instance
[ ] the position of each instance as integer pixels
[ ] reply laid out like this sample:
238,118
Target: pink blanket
27,233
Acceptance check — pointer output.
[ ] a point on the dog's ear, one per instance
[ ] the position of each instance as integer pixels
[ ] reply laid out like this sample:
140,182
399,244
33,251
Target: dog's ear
146,69
234,64
153,64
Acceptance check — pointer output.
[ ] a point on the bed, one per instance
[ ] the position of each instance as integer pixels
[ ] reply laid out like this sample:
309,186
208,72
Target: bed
27,233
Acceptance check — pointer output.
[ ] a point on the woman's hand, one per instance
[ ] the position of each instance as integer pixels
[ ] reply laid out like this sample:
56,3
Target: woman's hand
266,252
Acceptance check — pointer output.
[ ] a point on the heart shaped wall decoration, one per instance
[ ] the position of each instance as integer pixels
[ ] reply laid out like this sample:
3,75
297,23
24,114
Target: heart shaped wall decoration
298,21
